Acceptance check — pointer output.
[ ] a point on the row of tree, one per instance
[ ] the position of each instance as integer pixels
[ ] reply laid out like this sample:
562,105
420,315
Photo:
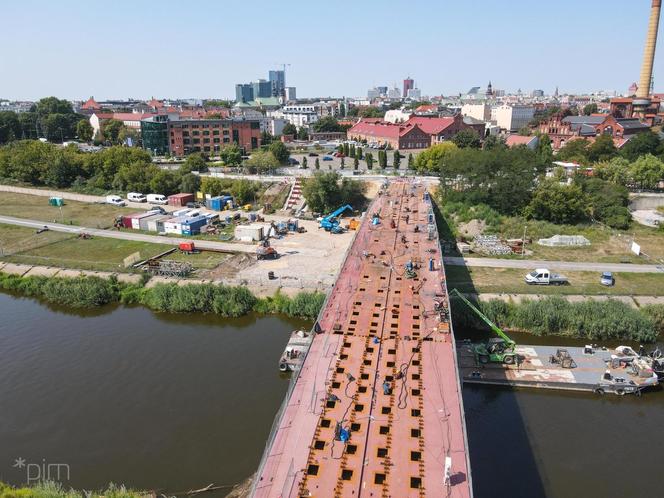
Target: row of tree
604,149
49,118
114,168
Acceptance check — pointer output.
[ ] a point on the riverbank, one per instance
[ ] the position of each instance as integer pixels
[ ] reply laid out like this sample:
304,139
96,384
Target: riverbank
609,319
226,301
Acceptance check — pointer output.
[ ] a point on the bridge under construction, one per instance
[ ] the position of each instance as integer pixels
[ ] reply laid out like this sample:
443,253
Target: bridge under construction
375,408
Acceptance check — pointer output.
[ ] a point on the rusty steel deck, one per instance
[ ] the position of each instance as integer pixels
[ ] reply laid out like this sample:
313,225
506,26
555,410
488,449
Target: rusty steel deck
383,368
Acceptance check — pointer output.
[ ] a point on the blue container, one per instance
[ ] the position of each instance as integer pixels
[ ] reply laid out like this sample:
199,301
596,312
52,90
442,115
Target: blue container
229,219
216,203
252,216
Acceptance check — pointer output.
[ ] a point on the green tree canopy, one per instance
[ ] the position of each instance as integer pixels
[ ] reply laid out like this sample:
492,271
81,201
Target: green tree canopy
261,162
231,155
289,129
557,203
467,138
10,127
84,130
641,144
431,159
602,149
327,124
279,151
324,192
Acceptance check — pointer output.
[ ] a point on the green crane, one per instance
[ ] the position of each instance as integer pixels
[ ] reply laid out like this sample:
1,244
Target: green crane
499,349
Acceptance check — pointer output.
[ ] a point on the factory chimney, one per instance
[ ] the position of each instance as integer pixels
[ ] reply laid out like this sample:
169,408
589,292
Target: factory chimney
643,94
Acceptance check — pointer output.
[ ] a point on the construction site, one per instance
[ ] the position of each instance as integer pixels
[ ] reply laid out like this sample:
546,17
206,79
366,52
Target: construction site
375,407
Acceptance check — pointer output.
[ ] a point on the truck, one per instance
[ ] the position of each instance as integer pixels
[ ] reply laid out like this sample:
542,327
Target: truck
331,222
499,349
543,276
136,197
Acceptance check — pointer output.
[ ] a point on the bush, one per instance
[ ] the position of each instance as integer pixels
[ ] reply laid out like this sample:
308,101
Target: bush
80,292
594,320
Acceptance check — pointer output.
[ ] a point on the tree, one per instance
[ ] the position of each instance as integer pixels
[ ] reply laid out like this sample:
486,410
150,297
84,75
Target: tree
352,151
616,171
243,190
194,162
369,159
396,160
575,150
231,155
111,130
411,161
606,202
525,131
467,138
589,109
343,163
324,194
56,118
431,159
602,149
266,138
190,183
493,142
317,165
304,163
128,136
342,110
165,182
327,124
647,171
561,204
84,130
359,152
10,127
261,162
356,163
346,149
303,133
135,176
641,144
289,129
280,152
370,112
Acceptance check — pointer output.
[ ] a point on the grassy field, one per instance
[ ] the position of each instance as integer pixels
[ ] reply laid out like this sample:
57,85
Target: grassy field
23,245
609,246
510,281
35,207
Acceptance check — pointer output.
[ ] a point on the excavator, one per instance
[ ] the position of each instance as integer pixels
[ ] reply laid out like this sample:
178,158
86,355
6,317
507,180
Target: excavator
330,222
499,349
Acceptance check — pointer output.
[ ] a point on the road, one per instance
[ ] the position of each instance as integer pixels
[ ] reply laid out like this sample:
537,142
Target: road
122,235
528,264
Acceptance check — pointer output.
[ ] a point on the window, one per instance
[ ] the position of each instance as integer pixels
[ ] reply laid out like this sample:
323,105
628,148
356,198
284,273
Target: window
206,132
197,140
195,133
206,140
215,132
186,141
184,133
215,140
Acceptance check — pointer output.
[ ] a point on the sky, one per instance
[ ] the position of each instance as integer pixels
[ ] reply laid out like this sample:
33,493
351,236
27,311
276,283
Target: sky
200,49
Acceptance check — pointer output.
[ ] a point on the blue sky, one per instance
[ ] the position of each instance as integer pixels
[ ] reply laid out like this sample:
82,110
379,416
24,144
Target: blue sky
142,48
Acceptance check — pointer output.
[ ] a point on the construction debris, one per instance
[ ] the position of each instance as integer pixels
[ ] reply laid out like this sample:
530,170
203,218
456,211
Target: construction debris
169,268
490,245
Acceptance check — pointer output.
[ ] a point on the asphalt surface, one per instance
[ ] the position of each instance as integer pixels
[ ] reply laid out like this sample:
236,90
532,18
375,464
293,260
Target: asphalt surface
554,265
137,237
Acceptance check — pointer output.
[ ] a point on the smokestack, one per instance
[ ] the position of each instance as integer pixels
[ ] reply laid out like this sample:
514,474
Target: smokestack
643,92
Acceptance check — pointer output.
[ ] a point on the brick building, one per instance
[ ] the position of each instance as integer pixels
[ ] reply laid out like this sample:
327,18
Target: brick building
396,135
210,135
562,130
441,129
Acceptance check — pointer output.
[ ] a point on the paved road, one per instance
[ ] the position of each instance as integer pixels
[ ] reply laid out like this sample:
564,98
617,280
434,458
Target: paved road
138,237
528,264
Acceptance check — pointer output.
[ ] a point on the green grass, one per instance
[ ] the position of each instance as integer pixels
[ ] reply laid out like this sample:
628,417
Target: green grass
97,254
36,207
510,281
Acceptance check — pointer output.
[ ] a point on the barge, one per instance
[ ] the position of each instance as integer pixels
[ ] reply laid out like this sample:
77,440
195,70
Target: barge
590,368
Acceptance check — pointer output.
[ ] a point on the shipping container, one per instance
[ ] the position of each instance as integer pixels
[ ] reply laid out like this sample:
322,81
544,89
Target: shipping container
136,219
173,225
56,201
144,222
192,226
250,233
215,203
127,221
180,199
156,224
181,212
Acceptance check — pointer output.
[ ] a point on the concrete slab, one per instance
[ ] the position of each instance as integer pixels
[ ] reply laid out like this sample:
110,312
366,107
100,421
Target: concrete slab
16,269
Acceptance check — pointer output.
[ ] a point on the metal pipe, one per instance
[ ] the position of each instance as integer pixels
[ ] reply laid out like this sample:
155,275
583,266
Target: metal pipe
649,51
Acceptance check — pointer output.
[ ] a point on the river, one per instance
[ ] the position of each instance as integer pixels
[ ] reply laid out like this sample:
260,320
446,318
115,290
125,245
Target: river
175,402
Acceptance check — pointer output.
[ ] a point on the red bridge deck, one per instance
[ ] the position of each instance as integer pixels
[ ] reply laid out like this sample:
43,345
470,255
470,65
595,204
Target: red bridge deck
379,328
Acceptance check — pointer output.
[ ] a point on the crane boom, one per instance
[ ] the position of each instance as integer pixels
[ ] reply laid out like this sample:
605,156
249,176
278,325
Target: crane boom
484,318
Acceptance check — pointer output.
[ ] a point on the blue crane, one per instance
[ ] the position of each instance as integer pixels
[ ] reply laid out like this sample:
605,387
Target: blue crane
330,222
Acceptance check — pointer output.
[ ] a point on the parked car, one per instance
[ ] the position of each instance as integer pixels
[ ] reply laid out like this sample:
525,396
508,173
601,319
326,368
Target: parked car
115,200
136,197
339,154
328,158
313,154
195,205
292,161
607,279
543,276
157,199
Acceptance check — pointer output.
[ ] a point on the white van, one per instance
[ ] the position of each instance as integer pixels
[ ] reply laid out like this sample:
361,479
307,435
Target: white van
157,199
136,197
115,200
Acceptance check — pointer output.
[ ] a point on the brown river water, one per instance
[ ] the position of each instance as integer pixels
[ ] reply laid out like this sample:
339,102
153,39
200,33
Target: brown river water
176,402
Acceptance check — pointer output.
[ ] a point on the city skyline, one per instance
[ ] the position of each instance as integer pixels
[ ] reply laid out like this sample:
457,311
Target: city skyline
126,52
